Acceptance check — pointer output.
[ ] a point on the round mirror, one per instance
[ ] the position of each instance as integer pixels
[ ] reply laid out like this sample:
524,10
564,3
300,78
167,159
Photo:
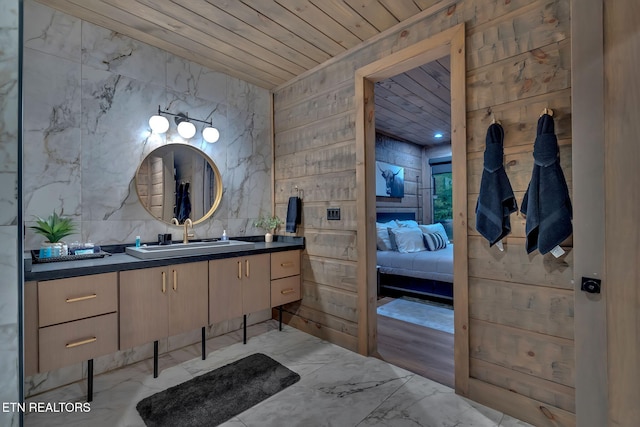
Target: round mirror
179,181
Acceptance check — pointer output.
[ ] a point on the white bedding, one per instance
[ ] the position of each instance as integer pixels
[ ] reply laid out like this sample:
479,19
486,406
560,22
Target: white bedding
434,265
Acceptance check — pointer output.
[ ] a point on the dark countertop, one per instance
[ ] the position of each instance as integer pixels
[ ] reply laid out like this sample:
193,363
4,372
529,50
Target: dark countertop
120,261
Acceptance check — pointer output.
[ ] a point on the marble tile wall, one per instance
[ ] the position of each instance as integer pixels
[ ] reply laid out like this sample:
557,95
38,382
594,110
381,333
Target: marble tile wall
9,261
88,97
89,93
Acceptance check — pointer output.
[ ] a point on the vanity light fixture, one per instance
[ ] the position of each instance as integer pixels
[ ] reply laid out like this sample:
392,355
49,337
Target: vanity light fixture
186,129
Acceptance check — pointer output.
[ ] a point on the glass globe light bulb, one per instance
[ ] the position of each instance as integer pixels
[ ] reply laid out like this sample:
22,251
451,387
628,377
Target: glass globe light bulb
186,129
210,134
159,124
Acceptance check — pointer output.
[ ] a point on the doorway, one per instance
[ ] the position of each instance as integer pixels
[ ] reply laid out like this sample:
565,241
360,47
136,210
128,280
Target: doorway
449,42
413,200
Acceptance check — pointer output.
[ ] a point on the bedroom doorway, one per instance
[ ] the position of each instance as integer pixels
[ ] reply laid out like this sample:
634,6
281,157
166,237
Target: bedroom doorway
448,43
415,276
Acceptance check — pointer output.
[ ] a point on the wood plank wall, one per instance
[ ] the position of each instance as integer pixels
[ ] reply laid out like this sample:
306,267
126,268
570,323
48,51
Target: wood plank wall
622,200
409,156
520,306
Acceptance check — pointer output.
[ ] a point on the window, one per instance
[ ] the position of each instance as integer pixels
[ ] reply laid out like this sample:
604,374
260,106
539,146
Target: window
442,193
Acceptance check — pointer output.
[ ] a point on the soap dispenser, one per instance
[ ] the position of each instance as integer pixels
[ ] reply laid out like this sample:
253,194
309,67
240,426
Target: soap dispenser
224,235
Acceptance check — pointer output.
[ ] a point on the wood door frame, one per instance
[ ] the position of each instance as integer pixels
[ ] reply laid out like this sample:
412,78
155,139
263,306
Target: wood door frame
592,395
449,42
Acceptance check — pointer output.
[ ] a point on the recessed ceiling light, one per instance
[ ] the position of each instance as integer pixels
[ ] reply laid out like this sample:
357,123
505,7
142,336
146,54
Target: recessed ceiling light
438,135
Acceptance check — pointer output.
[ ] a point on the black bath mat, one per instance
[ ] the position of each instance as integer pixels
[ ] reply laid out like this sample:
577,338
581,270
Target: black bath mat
217,396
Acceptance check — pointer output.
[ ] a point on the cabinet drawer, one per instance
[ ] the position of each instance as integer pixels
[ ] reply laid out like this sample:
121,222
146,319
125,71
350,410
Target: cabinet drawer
284,264
73,342
285,290
75,298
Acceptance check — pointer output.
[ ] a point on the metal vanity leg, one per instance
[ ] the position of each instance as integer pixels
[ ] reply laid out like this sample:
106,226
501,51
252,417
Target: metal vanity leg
155,359
280,318
244,331
204,345
89,380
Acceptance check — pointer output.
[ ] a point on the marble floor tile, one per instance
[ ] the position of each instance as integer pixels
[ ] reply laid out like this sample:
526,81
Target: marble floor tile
421,402
337,388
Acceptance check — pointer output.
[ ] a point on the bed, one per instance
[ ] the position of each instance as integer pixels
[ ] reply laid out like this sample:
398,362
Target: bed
412,269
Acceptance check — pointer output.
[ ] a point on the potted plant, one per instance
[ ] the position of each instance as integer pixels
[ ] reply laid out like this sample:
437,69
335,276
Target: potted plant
54,229
268,224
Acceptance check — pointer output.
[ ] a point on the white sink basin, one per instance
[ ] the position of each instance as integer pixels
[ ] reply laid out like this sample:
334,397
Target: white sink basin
188,249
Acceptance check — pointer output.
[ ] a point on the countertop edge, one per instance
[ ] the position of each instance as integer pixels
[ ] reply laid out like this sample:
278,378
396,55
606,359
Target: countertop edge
123,262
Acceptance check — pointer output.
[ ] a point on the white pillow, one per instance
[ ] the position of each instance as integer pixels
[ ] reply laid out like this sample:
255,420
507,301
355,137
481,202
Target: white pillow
382,239
390,224
408,239
406,223
434,228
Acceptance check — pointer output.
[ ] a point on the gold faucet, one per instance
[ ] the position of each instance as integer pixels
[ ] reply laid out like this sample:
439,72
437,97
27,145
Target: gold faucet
185,236
187,223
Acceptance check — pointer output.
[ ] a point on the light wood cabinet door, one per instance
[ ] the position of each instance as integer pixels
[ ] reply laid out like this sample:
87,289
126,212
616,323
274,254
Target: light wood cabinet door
285,264
30,328
188,308
238,286
144,306
162,301
256,283
63,300
225,289
285,277
72,342
285,290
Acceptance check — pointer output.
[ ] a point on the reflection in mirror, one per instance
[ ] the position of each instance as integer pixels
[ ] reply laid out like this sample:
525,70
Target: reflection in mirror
179,181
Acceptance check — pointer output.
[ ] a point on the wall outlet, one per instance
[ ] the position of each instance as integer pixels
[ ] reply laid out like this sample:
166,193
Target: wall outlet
333,214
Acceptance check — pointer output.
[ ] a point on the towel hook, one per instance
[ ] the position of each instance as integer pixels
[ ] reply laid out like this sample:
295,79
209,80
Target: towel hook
300,191
493,119
548,111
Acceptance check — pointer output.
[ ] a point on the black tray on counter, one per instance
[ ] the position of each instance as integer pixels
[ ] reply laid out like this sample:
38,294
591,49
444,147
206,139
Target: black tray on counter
35,256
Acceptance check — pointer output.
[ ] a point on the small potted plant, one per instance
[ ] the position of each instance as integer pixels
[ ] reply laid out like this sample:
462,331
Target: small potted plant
54,229
269,225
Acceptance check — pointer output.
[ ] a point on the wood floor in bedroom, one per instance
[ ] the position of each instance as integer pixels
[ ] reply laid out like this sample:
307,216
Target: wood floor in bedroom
424,351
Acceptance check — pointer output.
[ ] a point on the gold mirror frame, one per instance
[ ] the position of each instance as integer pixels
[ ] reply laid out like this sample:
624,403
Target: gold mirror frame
171,149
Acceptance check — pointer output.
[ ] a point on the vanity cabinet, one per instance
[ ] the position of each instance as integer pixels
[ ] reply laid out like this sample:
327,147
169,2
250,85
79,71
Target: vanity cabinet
70,320
159,302
238,286
285,277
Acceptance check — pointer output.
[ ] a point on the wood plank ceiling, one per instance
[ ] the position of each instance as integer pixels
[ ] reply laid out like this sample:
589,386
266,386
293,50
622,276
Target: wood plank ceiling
270,42
416,106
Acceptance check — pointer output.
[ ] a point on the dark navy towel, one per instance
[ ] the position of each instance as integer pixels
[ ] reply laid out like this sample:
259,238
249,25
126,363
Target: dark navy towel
184,207
294,211
496,201
546,202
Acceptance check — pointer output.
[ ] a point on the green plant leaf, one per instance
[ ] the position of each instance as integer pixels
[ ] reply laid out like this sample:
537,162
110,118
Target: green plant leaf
268,223
54,228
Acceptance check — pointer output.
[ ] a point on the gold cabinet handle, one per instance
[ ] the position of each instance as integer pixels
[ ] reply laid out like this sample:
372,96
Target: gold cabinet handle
287,291
246,266
239,270
84,298
83,342
164,282
175,280
286,264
